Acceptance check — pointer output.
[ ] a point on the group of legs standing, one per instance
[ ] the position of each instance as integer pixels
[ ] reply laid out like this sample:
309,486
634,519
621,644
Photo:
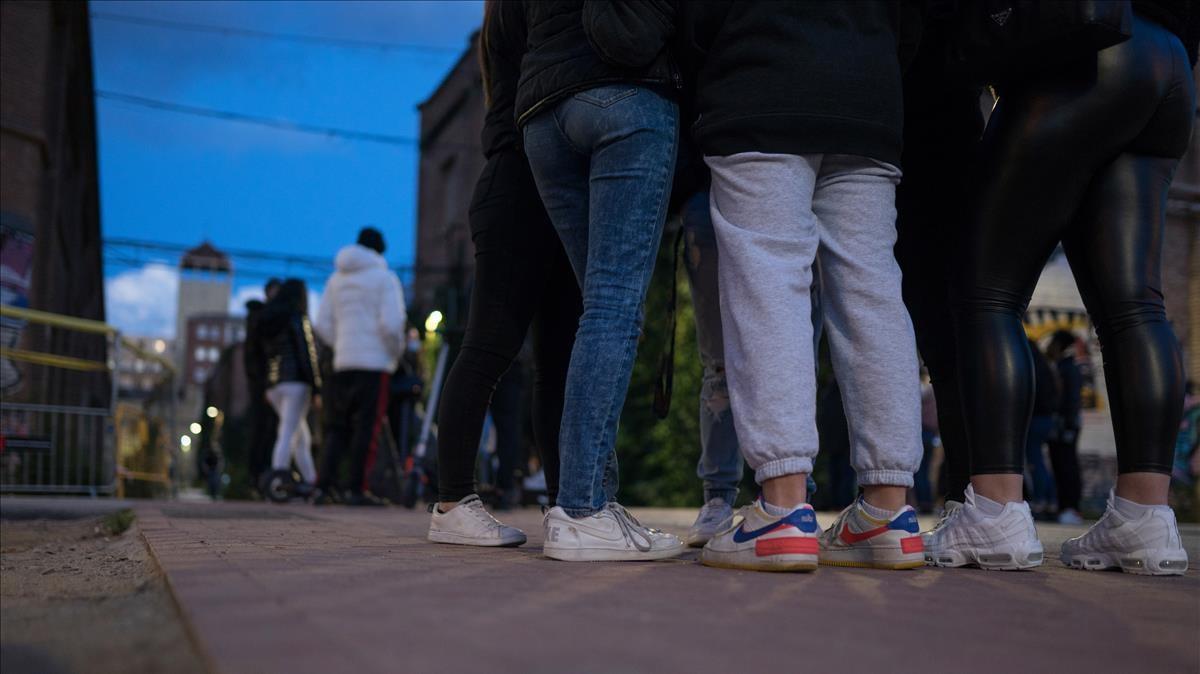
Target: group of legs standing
803,204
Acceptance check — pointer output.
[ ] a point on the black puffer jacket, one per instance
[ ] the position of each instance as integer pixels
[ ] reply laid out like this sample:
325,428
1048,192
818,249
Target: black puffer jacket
572,45
289,346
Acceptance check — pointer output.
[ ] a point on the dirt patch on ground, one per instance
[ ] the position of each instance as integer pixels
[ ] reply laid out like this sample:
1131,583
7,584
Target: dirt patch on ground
79,597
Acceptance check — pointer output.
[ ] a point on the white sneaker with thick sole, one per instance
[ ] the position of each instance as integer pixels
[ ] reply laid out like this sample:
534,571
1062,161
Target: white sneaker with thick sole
858,539
611,535
1148,546
1006,542
716,515
469,523
927,536
764,542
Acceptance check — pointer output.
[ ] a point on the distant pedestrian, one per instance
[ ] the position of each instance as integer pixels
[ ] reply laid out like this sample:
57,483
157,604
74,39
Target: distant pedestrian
362,318
292,376
1041,426
262,418
1064,438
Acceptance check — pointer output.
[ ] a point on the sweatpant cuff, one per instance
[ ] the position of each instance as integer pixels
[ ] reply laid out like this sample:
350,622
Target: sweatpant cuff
893,478
727,495
580,513
786,466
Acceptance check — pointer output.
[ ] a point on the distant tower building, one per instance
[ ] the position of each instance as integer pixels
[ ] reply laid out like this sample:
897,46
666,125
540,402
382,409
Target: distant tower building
205,286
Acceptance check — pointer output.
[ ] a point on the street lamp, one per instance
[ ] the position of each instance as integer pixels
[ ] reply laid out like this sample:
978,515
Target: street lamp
212,412
185,442
195,428
433,321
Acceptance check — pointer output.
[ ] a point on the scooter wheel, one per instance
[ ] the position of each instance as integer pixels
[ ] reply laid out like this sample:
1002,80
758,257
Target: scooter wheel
277,486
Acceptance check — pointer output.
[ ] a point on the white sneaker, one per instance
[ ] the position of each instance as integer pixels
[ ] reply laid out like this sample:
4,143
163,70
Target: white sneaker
611,535
857,539
1070,516
469,523
927,536
1147,546
716,515
1007,542
764,542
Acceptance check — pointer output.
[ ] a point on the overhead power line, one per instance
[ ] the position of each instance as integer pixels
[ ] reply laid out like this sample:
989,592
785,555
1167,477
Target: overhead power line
283,124
271,35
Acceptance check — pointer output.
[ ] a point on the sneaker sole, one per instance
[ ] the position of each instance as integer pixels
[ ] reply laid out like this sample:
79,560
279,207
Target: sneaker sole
993,560
458,539
607,555
882,556
1140,562
781,563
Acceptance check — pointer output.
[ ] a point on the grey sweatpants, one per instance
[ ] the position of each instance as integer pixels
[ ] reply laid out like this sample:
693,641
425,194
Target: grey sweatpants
774,216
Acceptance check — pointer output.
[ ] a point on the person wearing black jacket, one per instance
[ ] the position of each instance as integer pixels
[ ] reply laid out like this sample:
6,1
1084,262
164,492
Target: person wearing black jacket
292,375
596,103
1080,153
1064,440
263,420
523,284
1041,425
800,121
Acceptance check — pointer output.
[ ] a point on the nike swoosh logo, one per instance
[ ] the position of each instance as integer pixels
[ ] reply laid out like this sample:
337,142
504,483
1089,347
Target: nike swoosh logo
741,535
851,538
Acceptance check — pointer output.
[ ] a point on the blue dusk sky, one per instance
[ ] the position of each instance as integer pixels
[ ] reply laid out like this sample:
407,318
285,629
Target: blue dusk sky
180,178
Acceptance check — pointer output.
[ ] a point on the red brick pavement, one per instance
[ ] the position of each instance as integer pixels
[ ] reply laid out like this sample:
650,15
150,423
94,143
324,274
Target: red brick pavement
298,589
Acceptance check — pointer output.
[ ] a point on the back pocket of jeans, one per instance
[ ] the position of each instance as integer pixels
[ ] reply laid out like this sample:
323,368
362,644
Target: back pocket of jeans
603,97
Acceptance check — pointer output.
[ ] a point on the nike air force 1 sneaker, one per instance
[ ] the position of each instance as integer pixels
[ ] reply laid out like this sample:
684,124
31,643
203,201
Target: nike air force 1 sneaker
857,539
611,535
469,523
1006,542
716,515
764,542
1149,545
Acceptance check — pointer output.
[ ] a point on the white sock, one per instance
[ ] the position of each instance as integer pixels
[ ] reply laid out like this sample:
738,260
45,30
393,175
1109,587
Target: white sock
1132,510
778,511
987,506
875,511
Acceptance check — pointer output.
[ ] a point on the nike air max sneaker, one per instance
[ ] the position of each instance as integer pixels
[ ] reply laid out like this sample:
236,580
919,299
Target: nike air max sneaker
764,542
716,515
611,535
966,536
857,539
469,523
1149,545
927,536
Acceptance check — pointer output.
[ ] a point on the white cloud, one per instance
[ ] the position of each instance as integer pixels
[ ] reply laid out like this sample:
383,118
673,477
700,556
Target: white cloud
142,301
237,303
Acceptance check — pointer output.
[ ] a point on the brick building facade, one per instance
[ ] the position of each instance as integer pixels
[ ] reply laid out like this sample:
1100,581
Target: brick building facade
451,160
49,194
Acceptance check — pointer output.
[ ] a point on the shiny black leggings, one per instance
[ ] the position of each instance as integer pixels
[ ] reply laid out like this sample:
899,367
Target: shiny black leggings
1084,156
523,282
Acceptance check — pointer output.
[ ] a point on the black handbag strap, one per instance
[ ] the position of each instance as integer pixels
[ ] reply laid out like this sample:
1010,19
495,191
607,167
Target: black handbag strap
665,384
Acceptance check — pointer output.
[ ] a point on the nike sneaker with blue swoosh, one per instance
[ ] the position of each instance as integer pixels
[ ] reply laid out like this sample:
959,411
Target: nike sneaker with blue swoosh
857,539
764,542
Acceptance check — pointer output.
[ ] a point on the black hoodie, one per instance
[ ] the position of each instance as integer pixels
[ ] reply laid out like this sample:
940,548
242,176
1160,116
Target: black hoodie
798,77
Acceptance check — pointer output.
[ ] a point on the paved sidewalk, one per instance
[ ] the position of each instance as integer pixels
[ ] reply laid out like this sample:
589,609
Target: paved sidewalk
301,589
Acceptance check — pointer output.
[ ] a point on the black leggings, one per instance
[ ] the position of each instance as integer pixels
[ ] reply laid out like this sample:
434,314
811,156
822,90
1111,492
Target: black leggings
1083,157
522,278
942,125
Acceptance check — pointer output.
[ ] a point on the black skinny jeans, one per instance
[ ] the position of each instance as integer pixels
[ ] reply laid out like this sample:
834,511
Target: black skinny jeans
1083,156
522,279
941,129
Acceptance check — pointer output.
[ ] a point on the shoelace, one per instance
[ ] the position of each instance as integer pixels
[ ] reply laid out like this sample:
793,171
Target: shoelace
947,515
632,528
476,508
